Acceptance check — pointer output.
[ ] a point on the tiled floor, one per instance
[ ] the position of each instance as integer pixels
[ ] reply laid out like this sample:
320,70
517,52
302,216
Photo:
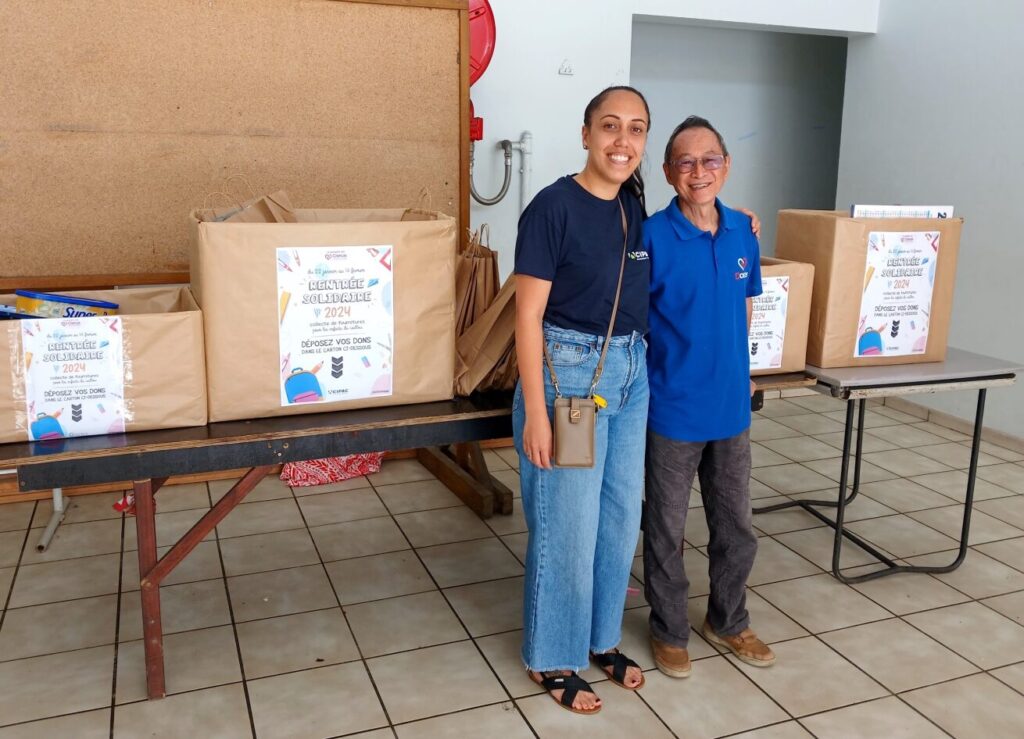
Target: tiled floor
382,607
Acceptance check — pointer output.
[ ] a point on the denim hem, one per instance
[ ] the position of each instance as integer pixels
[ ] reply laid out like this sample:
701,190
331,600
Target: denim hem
595,650
574,668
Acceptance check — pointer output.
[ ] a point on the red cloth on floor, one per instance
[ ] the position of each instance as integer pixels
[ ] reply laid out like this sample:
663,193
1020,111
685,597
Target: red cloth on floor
330,469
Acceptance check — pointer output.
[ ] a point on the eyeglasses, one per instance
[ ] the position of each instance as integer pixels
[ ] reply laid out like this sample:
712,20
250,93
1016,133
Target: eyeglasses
710,163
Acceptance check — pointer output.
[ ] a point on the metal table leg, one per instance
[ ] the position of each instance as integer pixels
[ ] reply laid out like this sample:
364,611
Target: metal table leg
60,508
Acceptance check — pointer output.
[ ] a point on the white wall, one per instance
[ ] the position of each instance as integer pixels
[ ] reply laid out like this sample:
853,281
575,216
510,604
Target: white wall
522,89
777,98
933,115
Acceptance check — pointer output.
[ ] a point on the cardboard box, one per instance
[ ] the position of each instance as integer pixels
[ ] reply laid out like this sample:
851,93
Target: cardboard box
342,309
883,288
142,369
778,327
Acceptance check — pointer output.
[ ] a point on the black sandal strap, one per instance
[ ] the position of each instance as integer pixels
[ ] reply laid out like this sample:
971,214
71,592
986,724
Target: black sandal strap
571,685
618,662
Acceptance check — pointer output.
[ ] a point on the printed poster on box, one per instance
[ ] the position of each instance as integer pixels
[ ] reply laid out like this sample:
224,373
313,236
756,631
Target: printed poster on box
767,335
896,301
336,323
74,376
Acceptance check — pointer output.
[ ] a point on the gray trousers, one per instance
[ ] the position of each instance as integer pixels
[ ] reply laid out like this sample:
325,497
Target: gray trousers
724,470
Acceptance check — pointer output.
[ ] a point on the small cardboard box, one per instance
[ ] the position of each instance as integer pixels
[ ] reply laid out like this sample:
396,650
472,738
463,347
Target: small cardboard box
778,326
141,369
341,309
883,287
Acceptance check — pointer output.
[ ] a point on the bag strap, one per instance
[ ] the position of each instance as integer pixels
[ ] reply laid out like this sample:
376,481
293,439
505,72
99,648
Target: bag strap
611,324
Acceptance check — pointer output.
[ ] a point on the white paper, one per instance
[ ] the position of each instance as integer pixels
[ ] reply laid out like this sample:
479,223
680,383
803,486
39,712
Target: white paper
336,322
767,334
896,303
74,376
901,211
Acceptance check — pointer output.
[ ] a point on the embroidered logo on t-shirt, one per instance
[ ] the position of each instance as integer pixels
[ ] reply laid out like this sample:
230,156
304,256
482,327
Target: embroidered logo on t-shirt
638,256
742,264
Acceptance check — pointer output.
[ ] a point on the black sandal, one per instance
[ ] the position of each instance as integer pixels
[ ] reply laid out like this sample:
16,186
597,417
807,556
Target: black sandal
619,663
571,685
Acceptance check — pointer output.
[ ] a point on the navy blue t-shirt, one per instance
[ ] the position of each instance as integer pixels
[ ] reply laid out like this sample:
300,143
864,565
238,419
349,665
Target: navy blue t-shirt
574,240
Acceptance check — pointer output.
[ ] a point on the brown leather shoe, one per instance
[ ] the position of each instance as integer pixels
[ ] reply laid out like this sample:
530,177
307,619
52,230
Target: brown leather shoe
745,645
670,660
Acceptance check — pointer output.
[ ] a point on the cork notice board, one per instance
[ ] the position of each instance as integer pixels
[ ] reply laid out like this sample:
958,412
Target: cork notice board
120,116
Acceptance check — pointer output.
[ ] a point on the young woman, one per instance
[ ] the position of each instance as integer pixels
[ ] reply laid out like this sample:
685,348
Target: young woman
583,522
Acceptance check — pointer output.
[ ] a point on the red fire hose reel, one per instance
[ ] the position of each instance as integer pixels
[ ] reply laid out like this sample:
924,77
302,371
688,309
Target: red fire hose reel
482,34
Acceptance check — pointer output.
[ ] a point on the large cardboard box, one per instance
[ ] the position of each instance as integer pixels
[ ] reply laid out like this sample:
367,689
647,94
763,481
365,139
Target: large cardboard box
342,309
142,369
883,287
778,326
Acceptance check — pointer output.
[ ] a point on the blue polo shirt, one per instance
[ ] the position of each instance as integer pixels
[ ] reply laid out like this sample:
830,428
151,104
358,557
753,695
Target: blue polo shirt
698,361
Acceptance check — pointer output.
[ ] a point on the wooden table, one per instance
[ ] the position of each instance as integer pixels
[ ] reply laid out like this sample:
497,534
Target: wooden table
445,435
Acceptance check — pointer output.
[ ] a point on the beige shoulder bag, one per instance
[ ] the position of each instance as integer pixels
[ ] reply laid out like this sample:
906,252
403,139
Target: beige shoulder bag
575,421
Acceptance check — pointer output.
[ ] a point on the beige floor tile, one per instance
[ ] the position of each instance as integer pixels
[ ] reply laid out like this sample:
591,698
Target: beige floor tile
396,471
763,429
979,576
261,518
269,594
503,653
976,707
779,408
819,403
1010,605
871,443
327,701
442,526
77,509
180,497
860,509
622,714
516,543
1007,455
1010,551
514,523
467,562
269,488
832,469
75,540
897,655
192,660
215,712
196,605
821,603
757,490
775,562
387,733
489,607
939,430
382,626
1009,510
816,545
510,456
58,627
502,720
436,680
872,420
54,581
1012,676
807,662
902,535
510,479
802,449
17,516
202,563
354,483
898,415
762,456
379,576
784,520
421,495
905,463
7,577
1008,475
278,550
953,485
89,725
342,505
792,478
955,455
704,704
888,717
170,527
811,423
787,730
495,461
906,436
358,538
300,641
904,495
984,528
983,636
68,682
910,592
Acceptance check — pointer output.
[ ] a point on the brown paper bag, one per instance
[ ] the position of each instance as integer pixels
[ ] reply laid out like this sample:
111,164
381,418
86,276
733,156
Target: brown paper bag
159,323
273,208
486,345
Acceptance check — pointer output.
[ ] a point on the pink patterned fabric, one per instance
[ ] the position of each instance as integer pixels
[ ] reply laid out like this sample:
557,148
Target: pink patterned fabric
330,469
